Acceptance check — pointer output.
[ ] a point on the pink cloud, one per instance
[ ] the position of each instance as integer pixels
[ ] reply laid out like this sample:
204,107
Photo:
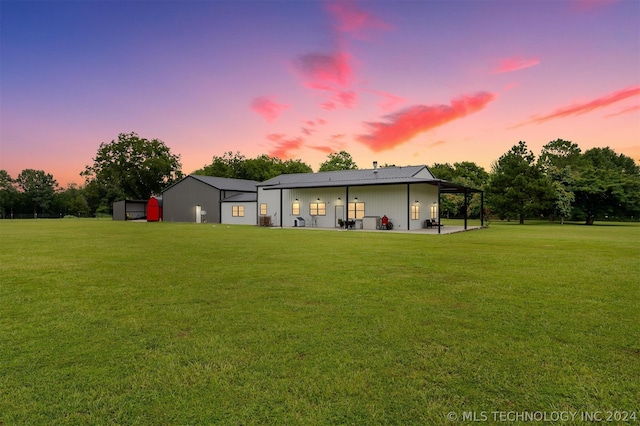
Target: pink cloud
350,19
406,124
587,5
338,99
321,69
329,106
324,148
283,145
583,108
268,108
631,109
436,143
310,126
389,100
515,64
511,86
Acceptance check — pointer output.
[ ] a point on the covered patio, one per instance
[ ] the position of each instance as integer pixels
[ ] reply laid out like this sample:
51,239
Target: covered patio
411,197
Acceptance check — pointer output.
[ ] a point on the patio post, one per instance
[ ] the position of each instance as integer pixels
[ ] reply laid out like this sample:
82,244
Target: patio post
466,207
439,224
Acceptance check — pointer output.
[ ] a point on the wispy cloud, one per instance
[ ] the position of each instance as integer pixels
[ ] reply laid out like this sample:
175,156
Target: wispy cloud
311,126
350,19
585,107
389,101
406,124
623,111
339,99
436,143
588,5
319,69
514,64
268,108
283,145
323,148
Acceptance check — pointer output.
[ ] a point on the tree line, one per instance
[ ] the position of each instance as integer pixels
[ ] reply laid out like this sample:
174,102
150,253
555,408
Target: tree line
562,182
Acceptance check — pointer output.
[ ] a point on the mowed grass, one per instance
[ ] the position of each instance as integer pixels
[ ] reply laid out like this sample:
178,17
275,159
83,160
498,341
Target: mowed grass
107,322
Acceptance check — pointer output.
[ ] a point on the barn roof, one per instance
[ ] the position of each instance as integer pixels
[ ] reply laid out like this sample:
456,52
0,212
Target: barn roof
224,184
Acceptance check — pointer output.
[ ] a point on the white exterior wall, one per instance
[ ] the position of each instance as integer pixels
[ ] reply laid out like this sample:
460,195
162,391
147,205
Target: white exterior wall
390,200
272,199
250,213
305,197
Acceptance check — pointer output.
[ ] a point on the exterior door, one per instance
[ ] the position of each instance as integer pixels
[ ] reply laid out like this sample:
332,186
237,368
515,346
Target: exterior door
198,214
339,215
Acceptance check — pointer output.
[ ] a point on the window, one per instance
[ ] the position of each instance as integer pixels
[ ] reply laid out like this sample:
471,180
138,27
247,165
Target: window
318,209
263,209
415,212
356,210
237,211
295,208
434,211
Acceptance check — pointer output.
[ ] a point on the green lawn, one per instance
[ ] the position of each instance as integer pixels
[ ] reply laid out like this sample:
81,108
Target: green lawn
106,322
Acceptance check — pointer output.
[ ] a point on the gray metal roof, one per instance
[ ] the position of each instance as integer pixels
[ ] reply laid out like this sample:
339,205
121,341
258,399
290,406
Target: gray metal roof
227,184
244,197
379,176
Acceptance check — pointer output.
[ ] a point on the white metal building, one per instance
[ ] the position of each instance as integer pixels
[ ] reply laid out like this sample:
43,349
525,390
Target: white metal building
408,196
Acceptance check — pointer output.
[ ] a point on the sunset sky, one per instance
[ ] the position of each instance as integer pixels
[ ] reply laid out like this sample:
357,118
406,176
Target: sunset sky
399,82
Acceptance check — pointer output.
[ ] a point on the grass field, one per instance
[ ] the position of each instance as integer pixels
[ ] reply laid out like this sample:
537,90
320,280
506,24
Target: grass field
107,322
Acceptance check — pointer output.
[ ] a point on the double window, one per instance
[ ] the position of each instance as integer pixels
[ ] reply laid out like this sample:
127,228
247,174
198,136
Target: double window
356,210
318,209
237,211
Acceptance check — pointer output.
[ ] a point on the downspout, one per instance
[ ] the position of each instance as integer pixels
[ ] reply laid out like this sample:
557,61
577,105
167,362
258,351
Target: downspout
408,207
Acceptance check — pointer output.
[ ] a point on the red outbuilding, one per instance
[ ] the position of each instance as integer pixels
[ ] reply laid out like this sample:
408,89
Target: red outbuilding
154,209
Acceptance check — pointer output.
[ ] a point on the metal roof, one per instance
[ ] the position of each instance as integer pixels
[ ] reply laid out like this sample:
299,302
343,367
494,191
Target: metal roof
225,184
244,197
378,176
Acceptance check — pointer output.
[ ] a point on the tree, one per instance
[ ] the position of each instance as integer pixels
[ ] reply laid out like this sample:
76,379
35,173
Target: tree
295,166
517,186
559,160
132,167
465,173
338,161
261,168
229,166
8,194
37,189
73,201
606,185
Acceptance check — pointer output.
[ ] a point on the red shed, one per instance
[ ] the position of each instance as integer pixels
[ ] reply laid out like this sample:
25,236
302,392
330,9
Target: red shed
154,209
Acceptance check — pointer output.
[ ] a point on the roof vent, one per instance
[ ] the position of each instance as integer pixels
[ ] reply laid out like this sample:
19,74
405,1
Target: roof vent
375,165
